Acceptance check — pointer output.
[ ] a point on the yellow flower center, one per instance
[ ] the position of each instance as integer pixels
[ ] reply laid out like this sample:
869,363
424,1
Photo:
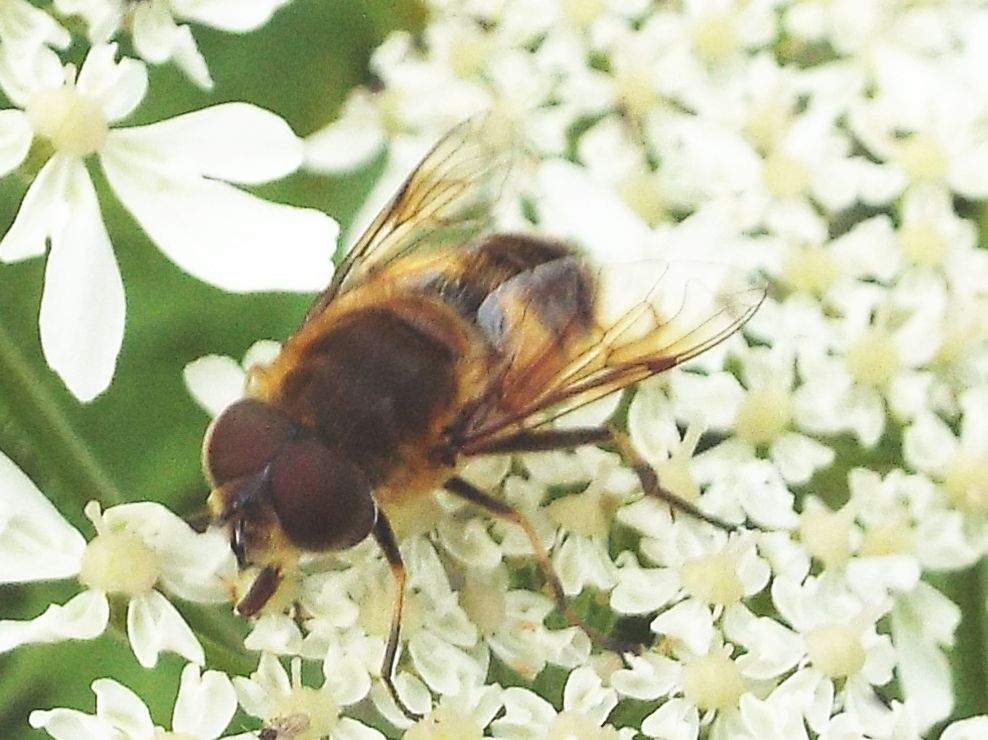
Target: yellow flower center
889,537
73,124
922,244
442,724
836,650
119,562
810,270
785,176
922,157
966,481
714,38
873,359
764,414
713,579
570,725
713,682
827,535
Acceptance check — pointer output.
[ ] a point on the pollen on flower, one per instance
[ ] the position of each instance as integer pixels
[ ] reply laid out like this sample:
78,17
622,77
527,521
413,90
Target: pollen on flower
117,562
73,123
714,38
588,514
570,725
635,89
836,650
810,270
763,415
922,157
713,682
888,537
873,358
484,604
785,176
322,711
713,579
923,244
442,724
766,123
642,193
966,481
961,330
470,49
582,13
827,535
376,605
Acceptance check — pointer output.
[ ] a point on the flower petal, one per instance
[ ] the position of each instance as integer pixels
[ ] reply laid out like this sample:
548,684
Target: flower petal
153,625
237,142
223,235
83,617
205,704
189,59
36,543
82,308
15,139
43,212
189,562
122,708
351,729
117,87
71,724
229,15
349,142
215,381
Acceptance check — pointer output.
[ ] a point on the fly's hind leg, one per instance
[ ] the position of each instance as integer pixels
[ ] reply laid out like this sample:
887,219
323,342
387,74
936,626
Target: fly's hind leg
385,537
543,440
503,510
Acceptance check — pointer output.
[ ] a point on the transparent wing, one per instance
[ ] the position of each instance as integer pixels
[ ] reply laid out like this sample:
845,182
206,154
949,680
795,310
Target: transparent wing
570,338
448,198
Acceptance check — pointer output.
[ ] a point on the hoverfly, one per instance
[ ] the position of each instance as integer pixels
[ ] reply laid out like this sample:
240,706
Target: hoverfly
438,341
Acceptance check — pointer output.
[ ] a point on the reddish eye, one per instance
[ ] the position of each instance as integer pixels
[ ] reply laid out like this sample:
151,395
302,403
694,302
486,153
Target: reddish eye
322,500
243,439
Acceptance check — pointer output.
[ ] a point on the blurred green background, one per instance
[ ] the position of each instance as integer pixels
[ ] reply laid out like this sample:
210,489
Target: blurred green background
140,440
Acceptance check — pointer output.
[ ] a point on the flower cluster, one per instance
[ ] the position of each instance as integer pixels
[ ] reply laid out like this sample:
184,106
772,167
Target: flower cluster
176,177
839,149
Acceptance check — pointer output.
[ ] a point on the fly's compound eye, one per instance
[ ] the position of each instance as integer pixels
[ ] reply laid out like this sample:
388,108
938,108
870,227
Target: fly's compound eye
243,440
322,500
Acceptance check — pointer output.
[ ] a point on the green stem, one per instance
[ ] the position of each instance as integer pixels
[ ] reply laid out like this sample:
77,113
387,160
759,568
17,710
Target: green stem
35,419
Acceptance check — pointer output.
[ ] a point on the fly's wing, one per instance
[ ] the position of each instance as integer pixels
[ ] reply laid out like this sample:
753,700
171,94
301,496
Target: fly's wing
569,333
446,200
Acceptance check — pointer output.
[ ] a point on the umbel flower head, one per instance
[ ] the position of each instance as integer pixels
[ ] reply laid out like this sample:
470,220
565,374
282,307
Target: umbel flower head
139,549
173,176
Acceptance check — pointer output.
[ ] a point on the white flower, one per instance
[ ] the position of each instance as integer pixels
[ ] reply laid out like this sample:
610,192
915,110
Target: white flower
462,716
169,176
586,707
138,548
844,657
155,26
956,461
765,416
203,708
923,122
278,700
